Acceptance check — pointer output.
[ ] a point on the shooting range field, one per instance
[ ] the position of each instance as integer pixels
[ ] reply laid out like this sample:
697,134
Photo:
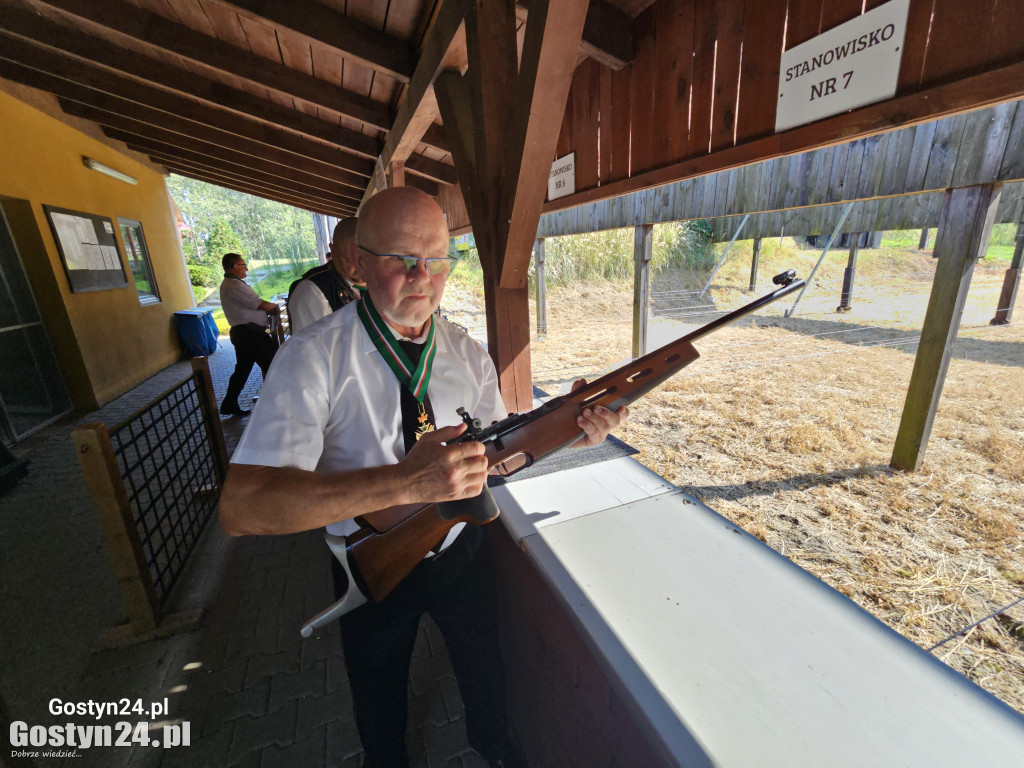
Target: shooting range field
786,426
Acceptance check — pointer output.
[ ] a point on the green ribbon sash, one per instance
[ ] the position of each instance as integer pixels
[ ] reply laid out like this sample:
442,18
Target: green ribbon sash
414,378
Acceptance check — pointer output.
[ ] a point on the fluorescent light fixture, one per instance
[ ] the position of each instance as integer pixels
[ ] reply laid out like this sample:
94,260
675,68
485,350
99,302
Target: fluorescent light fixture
113,173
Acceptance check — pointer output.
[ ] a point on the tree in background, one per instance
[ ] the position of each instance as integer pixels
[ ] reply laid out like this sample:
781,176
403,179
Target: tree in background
222,239
278,237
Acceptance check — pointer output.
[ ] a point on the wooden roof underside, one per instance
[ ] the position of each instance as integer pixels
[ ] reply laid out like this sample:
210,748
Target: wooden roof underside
301,102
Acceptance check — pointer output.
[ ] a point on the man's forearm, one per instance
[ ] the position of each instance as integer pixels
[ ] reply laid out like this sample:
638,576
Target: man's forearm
275,500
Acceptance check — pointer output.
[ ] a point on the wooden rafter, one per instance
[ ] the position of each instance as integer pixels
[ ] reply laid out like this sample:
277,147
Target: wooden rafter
243,175
183,133
443,47
187,87
452,94
431,169
208,155
190,117
332,29
292,200
159,33
607,33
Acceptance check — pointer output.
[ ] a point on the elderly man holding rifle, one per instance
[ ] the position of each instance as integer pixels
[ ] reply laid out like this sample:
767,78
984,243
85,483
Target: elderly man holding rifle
360,415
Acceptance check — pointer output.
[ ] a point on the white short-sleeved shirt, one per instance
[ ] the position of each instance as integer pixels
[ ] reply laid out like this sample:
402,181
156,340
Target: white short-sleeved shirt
307,304
241,303
331,403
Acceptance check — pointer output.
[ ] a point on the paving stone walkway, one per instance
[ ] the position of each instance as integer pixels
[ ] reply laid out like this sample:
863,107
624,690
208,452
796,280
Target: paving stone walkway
253,692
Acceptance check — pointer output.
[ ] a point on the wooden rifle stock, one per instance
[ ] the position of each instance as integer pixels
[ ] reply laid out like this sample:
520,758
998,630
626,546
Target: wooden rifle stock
394,540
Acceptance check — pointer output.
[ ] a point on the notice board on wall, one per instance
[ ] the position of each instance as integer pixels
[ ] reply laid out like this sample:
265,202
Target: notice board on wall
88,248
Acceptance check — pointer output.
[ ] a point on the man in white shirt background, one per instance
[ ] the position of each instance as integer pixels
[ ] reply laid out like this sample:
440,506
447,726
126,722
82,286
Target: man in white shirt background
249,318
327,287
335,436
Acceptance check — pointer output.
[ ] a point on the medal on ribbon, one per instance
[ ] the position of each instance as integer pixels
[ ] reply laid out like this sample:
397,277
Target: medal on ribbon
413,378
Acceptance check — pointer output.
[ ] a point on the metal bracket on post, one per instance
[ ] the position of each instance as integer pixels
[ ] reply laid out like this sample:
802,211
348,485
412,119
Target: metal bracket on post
835,233
725,255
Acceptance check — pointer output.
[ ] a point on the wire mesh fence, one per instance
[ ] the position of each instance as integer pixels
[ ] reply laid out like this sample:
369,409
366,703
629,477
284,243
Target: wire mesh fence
155,480
171,475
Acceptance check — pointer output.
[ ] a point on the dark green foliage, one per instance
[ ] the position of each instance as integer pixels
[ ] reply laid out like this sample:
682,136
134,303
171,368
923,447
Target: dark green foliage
273,237
221,239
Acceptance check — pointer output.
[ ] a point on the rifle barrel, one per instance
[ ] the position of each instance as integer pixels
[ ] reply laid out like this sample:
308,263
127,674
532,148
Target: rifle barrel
743,311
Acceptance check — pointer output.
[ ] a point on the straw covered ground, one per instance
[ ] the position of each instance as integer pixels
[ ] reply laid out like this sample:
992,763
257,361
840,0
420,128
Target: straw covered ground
786,427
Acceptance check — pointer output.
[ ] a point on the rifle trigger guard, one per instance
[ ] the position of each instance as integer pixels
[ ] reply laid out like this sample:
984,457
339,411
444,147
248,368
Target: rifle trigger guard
353,597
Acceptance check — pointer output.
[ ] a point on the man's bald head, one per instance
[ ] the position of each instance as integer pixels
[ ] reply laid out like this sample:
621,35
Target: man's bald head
343,249
402,221
407,207
345,231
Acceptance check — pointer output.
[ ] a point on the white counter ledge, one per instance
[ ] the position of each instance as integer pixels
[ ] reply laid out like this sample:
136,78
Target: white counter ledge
735,656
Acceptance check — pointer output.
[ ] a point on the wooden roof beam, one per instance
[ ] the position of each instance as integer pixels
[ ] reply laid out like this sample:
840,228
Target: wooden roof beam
333,29
158,32
182,132
425,185
186,85
431,169
271,185
607,33
202,153
541,92
443,48
132,96
295,202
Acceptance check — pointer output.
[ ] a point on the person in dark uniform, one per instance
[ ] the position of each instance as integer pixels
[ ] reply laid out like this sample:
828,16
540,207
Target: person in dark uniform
249,318
326,288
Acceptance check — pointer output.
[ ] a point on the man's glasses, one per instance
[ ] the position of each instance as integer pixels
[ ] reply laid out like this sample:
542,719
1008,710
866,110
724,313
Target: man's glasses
435,265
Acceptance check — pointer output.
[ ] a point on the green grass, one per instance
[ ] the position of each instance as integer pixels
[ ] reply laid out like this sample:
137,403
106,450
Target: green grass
999,253
221,321
277,282
1000,245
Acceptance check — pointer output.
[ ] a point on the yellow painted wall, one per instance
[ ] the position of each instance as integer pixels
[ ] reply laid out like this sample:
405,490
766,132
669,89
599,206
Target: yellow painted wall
106,341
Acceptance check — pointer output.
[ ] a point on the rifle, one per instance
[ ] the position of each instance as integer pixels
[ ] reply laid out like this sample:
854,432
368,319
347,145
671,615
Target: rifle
392,541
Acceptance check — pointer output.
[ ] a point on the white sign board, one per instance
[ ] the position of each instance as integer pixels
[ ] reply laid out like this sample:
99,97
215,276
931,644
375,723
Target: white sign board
851,65
562,180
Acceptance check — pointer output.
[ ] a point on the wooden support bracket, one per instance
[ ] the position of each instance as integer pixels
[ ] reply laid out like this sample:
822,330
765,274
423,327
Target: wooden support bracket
103,479
962,238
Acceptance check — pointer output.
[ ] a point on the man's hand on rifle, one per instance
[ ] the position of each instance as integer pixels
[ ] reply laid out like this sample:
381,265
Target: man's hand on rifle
435,472
598,421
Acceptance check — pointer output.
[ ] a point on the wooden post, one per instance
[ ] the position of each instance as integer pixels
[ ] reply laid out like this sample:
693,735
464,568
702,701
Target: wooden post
396,174
103,479
1011,282
208,403
541,292
753,264
848,276
502,122
923,242
643,237
963,233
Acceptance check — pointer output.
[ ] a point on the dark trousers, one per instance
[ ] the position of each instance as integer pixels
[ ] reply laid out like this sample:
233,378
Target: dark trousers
253,346
457,591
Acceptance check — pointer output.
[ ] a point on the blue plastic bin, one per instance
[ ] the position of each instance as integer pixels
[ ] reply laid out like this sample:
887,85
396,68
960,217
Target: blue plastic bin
197,332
